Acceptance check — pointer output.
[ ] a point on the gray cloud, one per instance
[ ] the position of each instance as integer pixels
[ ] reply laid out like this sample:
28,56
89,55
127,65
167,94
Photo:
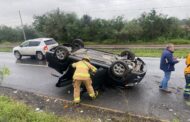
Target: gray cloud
95,8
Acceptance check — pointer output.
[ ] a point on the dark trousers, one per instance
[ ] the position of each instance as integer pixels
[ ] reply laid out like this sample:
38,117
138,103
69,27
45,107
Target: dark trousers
187,86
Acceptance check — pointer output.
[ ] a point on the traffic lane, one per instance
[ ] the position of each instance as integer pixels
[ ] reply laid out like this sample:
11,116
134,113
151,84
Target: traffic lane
142,99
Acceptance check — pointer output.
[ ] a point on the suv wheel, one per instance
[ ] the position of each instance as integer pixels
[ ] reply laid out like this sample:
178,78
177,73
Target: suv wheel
118,71
119,68
17,55
128,54
39,56
61,53
77,44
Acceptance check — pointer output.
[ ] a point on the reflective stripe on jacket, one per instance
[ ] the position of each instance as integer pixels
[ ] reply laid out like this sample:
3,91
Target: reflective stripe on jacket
187,69
82,70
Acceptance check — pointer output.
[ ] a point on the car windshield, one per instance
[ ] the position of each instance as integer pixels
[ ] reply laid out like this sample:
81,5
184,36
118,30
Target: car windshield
50,42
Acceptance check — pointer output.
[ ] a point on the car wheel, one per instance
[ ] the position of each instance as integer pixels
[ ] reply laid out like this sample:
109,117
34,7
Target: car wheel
77,44
39,56
61,53
17,55
128,54
119,69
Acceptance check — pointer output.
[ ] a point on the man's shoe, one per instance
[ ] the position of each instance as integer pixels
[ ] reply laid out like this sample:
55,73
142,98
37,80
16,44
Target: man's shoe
166,90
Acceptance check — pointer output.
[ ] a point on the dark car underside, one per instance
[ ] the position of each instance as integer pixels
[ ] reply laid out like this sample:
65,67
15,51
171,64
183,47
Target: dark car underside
113,70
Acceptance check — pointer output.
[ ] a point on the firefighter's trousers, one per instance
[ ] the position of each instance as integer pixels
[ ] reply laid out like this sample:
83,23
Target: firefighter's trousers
88,85
187,86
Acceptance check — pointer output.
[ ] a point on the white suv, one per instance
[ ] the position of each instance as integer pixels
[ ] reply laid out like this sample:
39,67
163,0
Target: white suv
35,47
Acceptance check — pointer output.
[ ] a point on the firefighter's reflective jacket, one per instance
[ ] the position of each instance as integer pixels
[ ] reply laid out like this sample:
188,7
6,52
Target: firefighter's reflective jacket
82,70
187,69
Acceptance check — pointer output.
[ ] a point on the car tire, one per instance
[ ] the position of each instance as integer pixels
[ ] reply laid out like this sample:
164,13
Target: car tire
128,54
119,69
39,56
17,55
77,44
61,53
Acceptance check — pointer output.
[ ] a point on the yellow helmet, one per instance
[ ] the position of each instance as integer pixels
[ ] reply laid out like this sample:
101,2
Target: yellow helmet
86,57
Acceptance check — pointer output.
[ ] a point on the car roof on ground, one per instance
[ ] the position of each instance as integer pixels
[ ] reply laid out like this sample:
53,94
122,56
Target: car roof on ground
39,39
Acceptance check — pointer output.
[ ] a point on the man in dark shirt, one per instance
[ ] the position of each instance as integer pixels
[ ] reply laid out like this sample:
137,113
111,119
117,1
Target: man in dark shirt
167,63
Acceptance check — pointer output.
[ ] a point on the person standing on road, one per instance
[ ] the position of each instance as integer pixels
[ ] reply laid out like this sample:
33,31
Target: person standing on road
187,78
82,75
167,63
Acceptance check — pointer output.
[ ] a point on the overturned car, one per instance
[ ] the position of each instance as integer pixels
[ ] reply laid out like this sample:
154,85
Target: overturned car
114,70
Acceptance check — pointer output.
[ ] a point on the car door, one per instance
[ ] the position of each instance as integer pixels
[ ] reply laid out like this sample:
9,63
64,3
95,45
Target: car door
32,47
24,48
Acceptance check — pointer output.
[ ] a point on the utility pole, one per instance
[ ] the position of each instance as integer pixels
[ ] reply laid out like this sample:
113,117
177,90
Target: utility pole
22,26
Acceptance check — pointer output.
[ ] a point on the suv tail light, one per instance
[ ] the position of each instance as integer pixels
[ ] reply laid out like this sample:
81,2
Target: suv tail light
46,48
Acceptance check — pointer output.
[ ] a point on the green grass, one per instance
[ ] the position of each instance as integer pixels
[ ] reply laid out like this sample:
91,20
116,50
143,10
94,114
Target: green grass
141,52
7,46
5,49
140,42
13,111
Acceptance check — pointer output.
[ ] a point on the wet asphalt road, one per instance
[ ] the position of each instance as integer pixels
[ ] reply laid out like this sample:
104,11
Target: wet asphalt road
144,99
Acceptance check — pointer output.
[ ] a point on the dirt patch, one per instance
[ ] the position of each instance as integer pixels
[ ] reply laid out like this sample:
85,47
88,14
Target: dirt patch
66,108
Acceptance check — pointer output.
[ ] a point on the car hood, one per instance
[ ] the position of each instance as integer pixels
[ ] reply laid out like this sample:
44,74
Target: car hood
16,48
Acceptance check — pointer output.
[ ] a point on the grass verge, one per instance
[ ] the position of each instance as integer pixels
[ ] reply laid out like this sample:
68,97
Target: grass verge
141,52
13,111
5,49
140,42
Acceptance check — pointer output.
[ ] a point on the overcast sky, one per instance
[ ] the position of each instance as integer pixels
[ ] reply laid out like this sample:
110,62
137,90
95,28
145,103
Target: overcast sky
95,8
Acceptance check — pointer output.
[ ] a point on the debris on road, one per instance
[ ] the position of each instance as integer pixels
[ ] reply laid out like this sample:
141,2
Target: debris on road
37,109
55,100
66,106
170,110
188,103
68,91
15,92
99,120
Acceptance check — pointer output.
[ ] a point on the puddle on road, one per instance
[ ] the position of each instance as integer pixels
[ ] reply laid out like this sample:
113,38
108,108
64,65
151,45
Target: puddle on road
31,61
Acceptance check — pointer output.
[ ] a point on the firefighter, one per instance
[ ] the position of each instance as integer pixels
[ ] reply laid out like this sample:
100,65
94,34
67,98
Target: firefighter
82,75
187,78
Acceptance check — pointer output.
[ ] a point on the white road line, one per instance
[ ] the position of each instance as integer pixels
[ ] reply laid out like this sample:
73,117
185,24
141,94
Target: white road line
35,65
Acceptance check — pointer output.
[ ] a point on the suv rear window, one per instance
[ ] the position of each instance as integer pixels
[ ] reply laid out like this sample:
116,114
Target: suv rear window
50,42
34,43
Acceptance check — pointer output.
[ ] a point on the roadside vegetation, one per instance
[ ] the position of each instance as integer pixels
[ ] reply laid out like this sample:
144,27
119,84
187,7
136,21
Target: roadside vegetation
13,111
151,27
4,71
142,52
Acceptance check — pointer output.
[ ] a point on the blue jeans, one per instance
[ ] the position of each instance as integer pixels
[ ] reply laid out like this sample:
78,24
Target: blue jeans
164,82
